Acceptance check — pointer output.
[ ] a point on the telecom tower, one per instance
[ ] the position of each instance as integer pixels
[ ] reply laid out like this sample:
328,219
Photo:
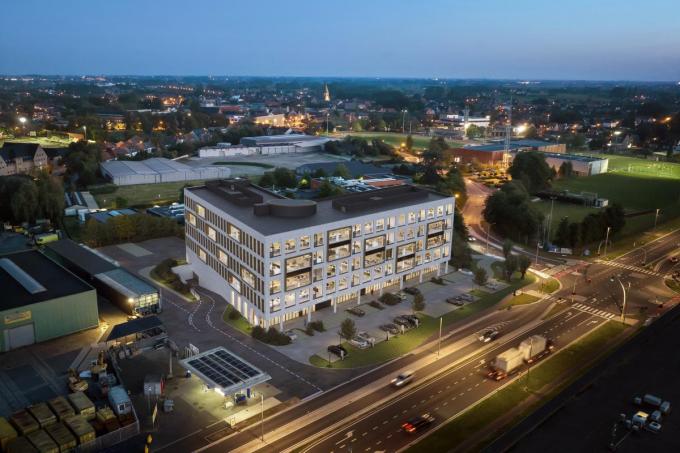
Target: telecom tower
508,136
466,119
327,98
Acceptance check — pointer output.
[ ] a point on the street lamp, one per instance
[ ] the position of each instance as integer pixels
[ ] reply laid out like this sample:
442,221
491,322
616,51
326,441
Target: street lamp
656,217
262,415
606,240
403,120
85,132
623,307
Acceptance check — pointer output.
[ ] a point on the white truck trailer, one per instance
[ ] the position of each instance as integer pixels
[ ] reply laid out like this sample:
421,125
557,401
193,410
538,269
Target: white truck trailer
509,361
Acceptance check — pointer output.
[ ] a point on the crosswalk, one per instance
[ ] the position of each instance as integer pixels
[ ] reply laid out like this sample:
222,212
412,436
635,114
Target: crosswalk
640,270
594,311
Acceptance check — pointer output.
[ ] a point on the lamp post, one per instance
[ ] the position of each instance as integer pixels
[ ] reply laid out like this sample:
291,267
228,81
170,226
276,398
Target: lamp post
403,120
606,240
656,217
623,307
536,251
262,416
439,343
552,205
488,225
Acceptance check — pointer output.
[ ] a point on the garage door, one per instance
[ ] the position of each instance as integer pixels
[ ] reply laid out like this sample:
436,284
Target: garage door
19,336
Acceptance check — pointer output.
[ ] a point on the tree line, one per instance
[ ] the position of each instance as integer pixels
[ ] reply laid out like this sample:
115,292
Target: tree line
25,199
126,228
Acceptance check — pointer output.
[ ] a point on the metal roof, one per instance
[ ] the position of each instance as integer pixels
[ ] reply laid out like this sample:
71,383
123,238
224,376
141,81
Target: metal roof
126,283
82,257
223,370
134,326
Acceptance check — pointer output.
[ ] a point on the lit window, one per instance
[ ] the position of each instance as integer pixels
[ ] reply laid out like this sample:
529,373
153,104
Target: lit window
357,230
274,268
234,233
430,213
304,295
392,222
318,239
274,286
368,228
202,255
275,304
330,286
275,249
290,245
343,283
222,256
344,267
235,283
191,218
290,299
411,217
212,234
330,270
356,247
200,210
440,211
248,277
305,242
317,291
402,219
379,225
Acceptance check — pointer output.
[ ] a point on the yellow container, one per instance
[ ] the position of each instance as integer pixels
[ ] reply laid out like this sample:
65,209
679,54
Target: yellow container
42,413
62,437
7,433
82,404
43,442
21,445
61,407
24,422
80,428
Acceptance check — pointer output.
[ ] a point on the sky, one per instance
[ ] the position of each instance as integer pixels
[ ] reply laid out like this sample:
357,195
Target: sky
493,39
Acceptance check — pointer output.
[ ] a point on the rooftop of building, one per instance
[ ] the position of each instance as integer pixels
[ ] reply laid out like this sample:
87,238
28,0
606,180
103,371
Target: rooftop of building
354,167
81,256
576,157
105,216
264,140
514,145
30,277
269,213
13,150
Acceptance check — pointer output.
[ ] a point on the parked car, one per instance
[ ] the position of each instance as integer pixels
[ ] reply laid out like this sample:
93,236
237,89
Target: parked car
412,319
391,328
466,297
487,335
401,295
402,379
365,336
338,350
401,321
356,311
416,423
290,334
654,427
359,343
455,301
412,290
471,239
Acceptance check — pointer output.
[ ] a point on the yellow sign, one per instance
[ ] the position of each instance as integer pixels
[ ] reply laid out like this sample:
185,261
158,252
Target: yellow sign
18,317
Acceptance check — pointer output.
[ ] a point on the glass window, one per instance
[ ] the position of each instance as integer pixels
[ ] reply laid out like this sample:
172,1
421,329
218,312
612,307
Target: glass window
388,268
192,218
411,217
298,280
435,227
317,291
374,243
421,230
235,282
212,234
200,210
428,257
356,247
234,233
391,222
248,277
410,233
344,266
406,264
430,213
318,239
435,241
379,225
330,286
222,256
304,295
356,263
356,280
330,270
449,208
377,272
366,276
290,299
406,249
275,267
368,228
422,215
339,235
372,259
317,274
440,210
299,262
274,286
343,283
390,237
356,230
400,235
202,255
275,304
402,219
318,257
338,251
290,245
275,249
305,242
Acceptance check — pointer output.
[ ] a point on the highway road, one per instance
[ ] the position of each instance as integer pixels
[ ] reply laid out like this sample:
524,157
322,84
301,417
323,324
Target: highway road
445,395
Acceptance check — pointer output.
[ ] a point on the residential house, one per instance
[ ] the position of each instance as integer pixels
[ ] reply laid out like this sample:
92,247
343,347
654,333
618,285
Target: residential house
22,158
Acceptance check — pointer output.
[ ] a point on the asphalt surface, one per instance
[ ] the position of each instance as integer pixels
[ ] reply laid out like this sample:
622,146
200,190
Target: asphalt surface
444,396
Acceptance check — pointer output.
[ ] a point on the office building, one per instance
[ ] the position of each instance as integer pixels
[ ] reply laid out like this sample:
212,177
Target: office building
275,258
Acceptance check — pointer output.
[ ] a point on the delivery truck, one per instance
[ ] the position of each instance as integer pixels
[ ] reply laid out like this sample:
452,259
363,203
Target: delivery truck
529,351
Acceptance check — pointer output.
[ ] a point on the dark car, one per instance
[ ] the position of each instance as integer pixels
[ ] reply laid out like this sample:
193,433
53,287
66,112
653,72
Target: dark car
401,321
488,335
412,290
391,328
337,350
455,301
416,423
412,319
356,311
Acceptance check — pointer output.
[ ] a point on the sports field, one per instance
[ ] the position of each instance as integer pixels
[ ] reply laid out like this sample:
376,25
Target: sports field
395,139
144,194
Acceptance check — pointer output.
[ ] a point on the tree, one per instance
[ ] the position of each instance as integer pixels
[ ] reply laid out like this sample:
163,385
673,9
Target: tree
532,169
418,303
267,180
480,277
409,143
348,329
507,248
24,203
328,190
574,234
319,173
562,233
284,177
342,171
523,264
566,170
511,213
510,266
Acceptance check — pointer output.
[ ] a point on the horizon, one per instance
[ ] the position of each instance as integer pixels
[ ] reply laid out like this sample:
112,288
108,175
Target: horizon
607,41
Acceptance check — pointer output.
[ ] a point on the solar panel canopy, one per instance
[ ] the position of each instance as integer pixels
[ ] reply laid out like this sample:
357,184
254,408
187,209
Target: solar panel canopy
223,370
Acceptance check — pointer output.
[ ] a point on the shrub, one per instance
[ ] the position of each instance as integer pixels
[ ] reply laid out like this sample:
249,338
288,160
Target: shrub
104,189
376,304
276,338
389,299
309,330
258,333
233,314
437,280
316,325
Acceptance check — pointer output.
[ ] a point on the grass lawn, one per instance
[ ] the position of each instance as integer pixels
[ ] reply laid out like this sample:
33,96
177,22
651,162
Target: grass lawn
574,212
144,194
402,344
248,164
673,284
478,292
523,299
550,286
239,323
396,139
544,373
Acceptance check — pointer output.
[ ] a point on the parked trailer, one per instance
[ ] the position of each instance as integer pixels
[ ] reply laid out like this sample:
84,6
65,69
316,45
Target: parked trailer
62,437
81,429
24,422
42,414
82,404
43,442
7,433
61,407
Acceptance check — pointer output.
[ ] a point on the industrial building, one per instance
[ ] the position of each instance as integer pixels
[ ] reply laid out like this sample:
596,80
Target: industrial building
41,300
276,259
354,167
175,211
581,165
267,145
156,170
130,293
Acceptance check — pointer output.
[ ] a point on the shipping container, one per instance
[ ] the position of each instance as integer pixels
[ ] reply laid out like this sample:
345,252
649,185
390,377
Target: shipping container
7,433
21,445
24,422
120,400
43,442
533,346
105,413
80,428
62,437
42,414
61,407
82,404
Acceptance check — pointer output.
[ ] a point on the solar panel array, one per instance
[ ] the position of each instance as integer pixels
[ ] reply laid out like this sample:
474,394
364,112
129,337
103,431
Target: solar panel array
223,368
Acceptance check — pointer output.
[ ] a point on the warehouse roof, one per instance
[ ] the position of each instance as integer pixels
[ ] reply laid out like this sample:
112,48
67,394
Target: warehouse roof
577,157
355,168
126,283
134,326
30,277
81,256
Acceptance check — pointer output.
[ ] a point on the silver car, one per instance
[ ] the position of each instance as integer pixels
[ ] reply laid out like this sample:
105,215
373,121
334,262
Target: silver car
403,379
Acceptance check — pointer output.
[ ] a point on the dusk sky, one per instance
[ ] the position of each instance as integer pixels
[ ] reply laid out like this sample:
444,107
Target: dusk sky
533,39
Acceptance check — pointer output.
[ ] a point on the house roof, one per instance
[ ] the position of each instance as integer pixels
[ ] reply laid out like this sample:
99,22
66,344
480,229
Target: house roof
11,150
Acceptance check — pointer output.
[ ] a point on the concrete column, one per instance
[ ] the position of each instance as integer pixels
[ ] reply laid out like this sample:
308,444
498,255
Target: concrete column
420,276
334,302
358,297
401,282
309,315
439,268
446,267
281,323
380,292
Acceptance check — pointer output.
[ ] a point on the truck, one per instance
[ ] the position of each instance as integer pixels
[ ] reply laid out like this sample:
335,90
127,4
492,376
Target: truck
529,351
45,238
535,347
